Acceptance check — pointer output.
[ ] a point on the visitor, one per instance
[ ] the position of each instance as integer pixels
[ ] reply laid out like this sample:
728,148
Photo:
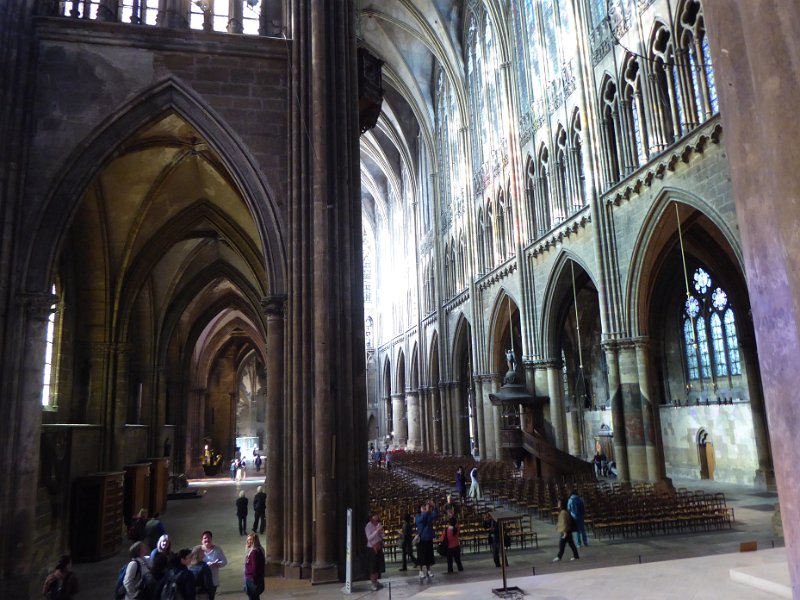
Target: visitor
163,546
377,562
215,557
254,567
450,537
135,572
475,487
406,539
241,512
426,515
259,511
564,528
153,530
577,511
461,484
203,579
61,582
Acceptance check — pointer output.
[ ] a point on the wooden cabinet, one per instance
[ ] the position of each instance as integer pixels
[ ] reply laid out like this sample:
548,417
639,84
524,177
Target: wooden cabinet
159,478
97,520
137,489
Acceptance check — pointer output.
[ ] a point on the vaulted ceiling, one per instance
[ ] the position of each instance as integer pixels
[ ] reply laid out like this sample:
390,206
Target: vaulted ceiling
412,37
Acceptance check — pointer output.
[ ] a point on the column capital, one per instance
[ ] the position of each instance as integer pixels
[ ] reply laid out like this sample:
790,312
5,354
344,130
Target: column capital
274,306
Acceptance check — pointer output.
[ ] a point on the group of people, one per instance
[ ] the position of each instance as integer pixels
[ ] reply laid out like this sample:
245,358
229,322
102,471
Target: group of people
259,511
192,572
571,520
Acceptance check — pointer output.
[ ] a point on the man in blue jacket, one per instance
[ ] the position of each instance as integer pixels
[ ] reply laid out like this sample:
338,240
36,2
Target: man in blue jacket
425,517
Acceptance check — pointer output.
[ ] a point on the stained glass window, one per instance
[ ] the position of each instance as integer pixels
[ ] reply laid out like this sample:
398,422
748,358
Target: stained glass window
718,341
732,343
708,315
691,353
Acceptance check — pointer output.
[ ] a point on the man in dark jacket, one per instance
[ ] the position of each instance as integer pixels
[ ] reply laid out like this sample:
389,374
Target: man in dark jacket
241,512
259,508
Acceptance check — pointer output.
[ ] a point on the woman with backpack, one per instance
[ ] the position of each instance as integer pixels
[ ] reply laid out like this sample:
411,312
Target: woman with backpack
133,581
62,583
565,527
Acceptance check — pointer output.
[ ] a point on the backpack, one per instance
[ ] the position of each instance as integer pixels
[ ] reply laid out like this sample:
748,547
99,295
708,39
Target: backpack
119,591
168,588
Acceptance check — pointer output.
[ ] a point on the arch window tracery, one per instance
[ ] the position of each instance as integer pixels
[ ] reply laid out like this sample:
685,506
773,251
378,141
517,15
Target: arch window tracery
530,206
694,46
610,133
634,115
711,344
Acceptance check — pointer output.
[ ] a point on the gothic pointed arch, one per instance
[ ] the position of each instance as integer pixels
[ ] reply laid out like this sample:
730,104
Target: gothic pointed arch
658,227
167,97
504,333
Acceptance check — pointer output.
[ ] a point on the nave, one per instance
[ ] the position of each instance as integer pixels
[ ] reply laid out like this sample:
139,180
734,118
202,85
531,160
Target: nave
608,568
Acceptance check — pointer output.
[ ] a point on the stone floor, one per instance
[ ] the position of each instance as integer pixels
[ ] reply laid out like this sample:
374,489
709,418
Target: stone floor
682,566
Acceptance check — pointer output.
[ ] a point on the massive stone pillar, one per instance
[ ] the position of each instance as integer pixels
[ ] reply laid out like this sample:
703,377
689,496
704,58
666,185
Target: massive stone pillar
399,421
632,409
489,421
617,410
326,470
480,434
20,428
651,422
558,417
458,418
447,420
414,422
765,475
274,307
759,80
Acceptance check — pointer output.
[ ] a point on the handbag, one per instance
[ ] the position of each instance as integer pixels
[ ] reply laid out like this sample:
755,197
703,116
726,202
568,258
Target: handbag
443,545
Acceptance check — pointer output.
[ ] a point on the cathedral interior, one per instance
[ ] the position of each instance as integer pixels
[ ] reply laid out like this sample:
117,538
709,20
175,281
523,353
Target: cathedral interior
525,231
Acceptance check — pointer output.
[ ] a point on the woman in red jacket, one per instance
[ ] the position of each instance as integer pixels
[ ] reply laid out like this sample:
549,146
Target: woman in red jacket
254,568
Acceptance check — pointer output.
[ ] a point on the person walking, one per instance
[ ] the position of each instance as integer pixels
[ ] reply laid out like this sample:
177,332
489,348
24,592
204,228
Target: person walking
406,539
241,512
475,486
259,510
564,527
61,583
577,510
461,484
234,469
377,562
215,558
493,526
254,567
424,520
450,537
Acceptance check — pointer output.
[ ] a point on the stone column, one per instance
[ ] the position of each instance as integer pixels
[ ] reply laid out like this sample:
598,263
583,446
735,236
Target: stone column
632,407
765,475
436,419
270,21
480,432
414,441
444,401
274,307
458,420
489,450
651,425
558,417
399,425
21,429
236,16
758,78
173,14
617,410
